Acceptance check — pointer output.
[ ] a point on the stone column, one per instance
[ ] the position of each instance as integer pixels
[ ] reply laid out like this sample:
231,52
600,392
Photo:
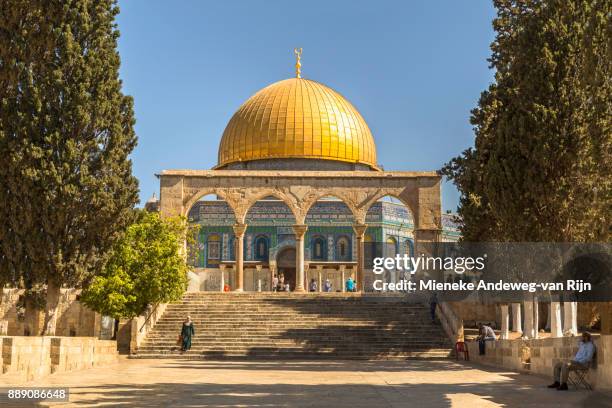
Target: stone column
222,269
299,231
320,276
570,318
556,329
342,286
360,230
239,230
517,325
272,267
536,318
505,320
528,332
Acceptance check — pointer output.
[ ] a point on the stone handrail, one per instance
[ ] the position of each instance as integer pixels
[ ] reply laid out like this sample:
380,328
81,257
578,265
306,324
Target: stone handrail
143,324
451,323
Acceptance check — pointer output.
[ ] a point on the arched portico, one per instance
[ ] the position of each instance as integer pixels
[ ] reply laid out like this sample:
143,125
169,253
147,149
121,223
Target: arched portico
299,190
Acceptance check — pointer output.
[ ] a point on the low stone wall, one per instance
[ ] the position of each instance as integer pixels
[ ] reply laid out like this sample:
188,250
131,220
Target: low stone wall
26,358
77,353
31,358
74,318
539,356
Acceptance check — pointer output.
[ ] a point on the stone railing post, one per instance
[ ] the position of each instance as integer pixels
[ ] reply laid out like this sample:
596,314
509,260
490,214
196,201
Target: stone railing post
342,285
222,281
258,273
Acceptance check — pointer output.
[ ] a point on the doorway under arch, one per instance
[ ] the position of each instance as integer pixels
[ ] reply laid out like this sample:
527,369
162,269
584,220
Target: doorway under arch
285,261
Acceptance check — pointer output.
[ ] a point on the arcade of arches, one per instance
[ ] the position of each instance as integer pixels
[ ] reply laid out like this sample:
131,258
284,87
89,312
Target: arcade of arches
241,192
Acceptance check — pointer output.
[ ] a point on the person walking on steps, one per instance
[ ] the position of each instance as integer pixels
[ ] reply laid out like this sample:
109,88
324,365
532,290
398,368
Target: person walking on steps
187,332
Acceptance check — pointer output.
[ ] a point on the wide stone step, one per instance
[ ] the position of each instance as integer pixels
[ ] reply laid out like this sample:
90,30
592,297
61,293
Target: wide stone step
318,330
215,333
316,311
296,347
265,355
395,323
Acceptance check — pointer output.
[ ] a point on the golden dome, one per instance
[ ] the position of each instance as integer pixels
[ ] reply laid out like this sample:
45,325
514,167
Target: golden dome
297,118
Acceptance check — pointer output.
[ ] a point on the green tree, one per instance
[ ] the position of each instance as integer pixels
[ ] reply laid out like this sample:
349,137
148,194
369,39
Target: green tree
541,167
66,131
147,266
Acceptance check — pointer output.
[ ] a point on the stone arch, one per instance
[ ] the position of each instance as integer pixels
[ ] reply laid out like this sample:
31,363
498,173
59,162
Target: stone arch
411,206
308,202
189,203
259,194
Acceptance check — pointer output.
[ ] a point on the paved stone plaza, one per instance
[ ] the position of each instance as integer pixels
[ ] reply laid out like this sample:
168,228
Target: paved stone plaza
418,383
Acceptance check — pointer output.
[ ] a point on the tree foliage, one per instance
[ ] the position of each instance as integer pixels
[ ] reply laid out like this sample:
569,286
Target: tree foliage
541,167
66,130
147,266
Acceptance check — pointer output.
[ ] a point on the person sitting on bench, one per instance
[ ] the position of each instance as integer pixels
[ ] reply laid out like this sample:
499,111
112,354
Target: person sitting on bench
485,333
581,361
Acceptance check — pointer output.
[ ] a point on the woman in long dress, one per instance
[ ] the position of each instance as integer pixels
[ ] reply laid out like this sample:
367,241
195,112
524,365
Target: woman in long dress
187,331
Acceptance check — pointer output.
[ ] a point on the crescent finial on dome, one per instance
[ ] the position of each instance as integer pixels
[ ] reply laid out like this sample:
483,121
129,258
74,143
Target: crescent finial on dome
298,63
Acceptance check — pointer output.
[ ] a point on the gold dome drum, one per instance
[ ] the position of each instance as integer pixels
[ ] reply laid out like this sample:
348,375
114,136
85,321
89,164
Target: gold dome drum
297,118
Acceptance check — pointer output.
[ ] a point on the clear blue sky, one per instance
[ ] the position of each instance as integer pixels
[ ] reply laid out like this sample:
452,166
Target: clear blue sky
414,69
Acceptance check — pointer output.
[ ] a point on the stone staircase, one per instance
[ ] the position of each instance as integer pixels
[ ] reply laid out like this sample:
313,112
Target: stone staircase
292,325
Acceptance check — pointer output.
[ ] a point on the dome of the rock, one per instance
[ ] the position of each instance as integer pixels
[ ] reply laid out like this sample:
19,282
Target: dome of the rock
297,120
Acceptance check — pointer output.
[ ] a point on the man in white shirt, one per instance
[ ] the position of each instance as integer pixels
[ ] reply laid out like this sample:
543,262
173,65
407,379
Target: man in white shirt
485,333
582,360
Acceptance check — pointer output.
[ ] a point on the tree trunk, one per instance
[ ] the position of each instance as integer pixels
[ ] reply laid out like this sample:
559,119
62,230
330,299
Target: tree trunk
53,295
33,318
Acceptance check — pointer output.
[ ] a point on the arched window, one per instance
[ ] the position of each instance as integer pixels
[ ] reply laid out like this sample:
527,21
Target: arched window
261,248
409,247
390,247
319,248
213,249
343,249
